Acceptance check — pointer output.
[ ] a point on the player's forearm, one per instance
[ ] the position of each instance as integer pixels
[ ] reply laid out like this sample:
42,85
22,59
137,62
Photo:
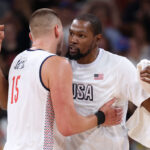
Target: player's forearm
3,91
81,124
72,123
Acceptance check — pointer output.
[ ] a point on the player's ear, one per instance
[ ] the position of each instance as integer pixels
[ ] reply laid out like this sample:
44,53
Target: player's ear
30,36
98,37
56,31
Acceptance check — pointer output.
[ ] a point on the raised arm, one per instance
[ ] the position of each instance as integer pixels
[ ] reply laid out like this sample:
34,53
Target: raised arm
58,78
3,81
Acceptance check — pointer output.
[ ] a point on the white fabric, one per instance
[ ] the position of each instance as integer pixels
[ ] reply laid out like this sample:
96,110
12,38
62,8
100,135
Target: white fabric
27,116
140,66
139,126
118,78
138,123
59,139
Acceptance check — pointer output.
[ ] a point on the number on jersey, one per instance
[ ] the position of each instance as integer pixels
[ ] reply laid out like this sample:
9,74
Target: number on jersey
14,98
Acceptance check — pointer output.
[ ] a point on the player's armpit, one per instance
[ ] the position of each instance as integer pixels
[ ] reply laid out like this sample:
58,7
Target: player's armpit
146,104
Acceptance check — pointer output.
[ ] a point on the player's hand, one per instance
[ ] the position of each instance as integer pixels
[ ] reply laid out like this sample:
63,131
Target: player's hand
1,35
145,74
113,116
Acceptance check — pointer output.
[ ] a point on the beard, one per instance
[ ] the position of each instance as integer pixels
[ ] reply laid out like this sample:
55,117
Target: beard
78,55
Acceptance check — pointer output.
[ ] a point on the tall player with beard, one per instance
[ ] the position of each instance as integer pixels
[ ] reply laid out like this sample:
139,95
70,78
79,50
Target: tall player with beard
99,75
40,91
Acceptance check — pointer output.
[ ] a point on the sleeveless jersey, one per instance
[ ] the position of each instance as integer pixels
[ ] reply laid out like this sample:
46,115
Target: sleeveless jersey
30,111
95,84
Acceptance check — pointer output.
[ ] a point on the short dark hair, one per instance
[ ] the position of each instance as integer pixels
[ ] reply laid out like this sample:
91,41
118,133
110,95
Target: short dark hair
94,21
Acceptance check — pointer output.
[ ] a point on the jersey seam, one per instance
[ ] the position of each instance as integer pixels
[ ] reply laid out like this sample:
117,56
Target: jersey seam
41,70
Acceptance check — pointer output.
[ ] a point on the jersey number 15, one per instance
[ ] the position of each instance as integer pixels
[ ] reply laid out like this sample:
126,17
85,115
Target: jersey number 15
14,98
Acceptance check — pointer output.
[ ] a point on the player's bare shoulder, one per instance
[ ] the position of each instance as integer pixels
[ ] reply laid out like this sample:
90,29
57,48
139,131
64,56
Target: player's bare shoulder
57,62
55,68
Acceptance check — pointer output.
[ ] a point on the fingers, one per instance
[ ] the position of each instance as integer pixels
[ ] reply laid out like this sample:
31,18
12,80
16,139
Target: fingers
1,34
109,103
145,79
1,31
118,110
1,27
113,117
146,70
145,74
118,118
118,113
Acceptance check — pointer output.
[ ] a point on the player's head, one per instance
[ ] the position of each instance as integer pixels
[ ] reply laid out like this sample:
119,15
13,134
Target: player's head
85,34
45,22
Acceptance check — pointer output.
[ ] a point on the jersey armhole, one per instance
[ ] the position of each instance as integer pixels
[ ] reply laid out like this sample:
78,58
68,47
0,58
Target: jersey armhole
41,70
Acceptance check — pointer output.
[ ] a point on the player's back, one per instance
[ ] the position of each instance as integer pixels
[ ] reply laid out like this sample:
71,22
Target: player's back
30,112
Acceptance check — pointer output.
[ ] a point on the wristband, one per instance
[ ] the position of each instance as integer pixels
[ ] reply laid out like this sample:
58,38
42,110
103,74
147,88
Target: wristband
100,117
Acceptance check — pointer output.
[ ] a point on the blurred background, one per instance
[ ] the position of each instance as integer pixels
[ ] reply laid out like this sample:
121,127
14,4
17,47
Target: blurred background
126,31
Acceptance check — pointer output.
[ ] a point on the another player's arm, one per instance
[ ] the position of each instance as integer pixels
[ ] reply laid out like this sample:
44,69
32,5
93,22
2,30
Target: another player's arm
57,76
146,104
3,91
145,76
3,81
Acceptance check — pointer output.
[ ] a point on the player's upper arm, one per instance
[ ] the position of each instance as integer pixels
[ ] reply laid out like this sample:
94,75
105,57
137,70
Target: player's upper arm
57,75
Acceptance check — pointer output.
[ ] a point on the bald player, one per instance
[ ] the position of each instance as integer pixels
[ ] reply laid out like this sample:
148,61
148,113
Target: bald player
40,91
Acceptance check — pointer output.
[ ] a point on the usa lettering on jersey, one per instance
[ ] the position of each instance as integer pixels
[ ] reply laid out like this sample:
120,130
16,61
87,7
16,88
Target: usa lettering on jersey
83,92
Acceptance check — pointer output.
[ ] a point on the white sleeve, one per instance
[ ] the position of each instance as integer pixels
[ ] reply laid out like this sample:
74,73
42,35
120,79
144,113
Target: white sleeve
129,84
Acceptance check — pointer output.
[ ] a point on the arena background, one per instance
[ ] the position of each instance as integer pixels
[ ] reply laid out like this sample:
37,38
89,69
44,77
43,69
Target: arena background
126,31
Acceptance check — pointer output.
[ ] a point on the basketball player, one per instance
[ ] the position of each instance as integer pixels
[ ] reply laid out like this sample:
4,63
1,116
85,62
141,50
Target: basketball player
99,75
40,91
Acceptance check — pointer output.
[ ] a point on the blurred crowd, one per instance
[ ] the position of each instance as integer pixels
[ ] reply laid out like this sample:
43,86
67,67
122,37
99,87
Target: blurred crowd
126,31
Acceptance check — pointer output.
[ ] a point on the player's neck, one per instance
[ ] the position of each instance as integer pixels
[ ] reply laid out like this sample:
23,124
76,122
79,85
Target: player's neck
45,45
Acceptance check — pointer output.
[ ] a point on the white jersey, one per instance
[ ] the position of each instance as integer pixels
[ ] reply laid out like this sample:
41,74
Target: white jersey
95,84
30,111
